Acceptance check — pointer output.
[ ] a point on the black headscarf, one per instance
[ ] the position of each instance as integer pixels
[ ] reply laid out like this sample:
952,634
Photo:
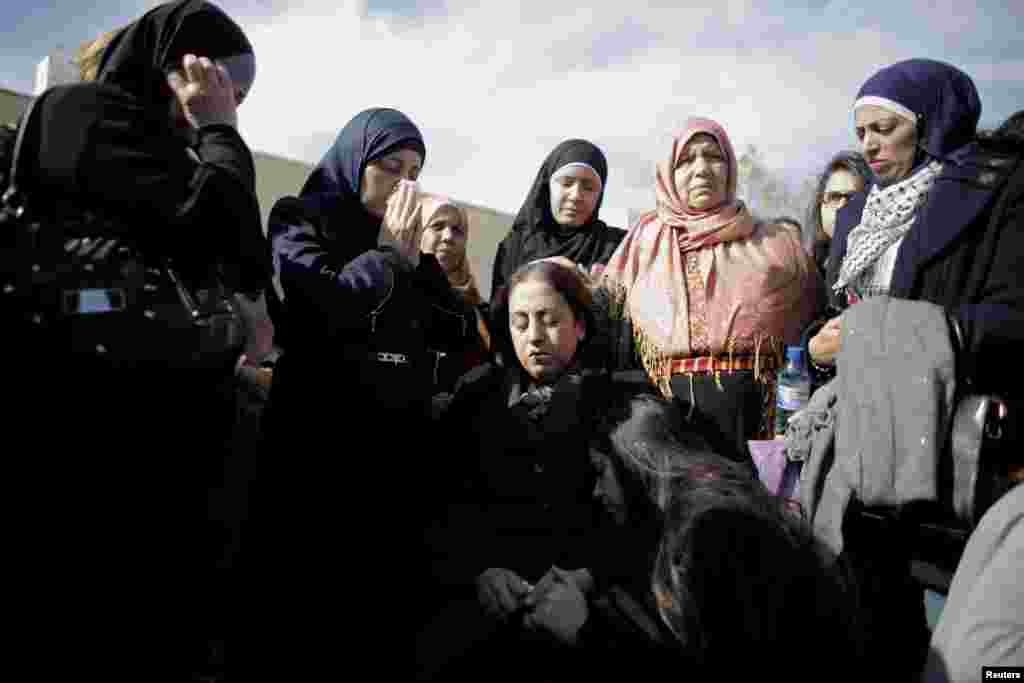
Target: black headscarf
140,55
111,144
535,234
333,188
96,139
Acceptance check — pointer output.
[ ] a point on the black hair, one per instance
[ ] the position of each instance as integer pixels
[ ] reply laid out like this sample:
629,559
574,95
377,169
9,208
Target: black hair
739,571
1009,136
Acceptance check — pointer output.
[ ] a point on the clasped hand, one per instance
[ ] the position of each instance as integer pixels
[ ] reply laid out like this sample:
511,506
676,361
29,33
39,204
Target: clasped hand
557,605
402,228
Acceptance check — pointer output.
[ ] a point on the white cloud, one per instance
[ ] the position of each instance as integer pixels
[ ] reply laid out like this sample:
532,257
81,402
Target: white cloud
1002,72
496,86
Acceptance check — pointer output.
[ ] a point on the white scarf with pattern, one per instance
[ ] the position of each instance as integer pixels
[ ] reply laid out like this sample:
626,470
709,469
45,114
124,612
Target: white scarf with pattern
888,214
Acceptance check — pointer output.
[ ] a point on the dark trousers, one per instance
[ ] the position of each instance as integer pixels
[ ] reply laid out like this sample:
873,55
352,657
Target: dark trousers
114,469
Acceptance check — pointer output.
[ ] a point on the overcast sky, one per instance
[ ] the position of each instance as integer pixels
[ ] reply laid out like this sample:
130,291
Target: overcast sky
495,85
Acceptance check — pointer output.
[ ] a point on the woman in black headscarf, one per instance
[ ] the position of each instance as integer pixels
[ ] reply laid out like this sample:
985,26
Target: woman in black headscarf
559,216
128,434
167,83
365,320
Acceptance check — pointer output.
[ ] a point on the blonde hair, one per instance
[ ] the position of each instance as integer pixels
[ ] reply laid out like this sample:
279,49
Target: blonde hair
90,53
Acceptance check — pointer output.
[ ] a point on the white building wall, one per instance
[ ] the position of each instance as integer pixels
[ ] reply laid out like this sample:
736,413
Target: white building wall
55,69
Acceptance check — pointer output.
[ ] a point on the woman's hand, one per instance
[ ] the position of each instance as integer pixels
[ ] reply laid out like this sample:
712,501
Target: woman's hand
205,92
590,279
562,610
402,228
501,592
580,577
824,346
256,380
560,260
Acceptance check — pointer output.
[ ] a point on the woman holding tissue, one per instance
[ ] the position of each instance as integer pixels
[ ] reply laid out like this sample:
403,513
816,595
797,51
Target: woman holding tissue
363,309
364,314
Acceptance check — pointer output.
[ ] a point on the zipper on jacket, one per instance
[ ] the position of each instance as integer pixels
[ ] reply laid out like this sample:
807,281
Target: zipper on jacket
377,311
438,355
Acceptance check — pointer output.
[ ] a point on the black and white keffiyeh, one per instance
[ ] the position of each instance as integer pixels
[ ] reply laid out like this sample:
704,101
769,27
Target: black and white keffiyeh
888,214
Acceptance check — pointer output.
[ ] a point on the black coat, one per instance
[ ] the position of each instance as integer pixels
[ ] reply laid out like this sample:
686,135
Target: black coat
350,403
340,314
525,497
962,253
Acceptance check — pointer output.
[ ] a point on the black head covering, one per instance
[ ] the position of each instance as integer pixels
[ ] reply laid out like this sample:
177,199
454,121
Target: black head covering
369,135
333,188
98,138
138,57
535,213
535,234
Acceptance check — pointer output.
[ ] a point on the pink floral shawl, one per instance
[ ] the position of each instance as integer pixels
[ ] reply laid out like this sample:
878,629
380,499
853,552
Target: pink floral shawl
760,284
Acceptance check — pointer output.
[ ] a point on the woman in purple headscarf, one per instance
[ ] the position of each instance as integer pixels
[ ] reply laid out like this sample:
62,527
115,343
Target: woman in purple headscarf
938,224
942,223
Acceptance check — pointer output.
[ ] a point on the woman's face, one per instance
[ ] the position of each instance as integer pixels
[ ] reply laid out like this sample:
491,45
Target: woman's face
445,237
381,176
574,194
607,488
545,333
702,173
838,189
887,140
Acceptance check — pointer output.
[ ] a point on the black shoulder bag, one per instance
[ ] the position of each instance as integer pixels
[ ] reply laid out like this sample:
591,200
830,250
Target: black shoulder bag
74,281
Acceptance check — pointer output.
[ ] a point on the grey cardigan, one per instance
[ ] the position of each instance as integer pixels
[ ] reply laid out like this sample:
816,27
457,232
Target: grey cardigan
876,432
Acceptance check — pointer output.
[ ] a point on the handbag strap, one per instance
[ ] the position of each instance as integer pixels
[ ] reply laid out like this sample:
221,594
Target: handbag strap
12,195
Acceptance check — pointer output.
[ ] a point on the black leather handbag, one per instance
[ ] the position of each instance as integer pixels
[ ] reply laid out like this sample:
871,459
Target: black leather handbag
78,279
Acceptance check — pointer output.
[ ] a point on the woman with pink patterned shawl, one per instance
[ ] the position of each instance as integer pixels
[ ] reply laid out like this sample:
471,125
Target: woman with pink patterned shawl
706,296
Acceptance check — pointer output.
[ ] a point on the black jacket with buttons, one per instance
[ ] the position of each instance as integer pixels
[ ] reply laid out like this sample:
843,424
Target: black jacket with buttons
523,474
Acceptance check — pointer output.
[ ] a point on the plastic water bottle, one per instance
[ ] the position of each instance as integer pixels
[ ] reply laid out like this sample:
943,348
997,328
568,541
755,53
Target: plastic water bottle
793,389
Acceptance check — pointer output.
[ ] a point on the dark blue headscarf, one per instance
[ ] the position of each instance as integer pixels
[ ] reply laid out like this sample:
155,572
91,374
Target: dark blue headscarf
370,135
942,99
332,190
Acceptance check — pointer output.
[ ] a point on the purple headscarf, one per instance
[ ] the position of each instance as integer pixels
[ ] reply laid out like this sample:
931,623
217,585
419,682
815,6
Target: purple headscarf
939,97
